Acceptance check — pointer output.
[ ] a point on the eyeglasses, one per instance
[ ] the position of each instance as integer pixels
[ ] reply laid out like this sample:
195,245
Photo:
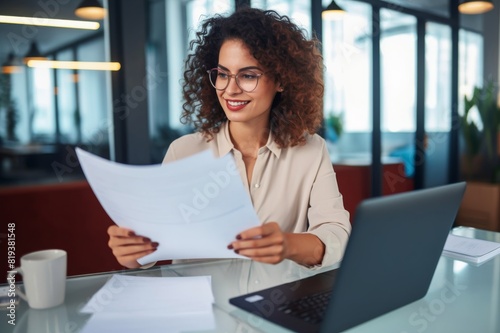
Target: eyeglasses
246,80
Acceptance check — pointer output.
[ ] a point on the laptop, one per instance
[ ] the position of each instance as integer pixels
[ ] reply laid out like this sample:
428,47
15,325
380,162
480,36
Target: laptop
389,261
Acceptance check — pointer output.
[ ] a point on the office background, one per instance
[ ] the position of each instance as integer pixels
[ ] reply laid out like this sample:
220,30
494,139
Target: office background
394,70
396,73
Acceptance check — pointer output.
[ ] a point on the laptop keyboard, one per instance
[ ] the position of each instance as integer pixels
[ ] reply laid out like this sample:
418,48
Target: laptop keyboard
309,308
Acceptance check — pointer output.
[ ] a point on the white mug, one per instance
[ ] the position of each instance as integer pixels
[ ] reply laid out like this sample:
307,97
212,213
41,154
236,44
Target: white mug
44,277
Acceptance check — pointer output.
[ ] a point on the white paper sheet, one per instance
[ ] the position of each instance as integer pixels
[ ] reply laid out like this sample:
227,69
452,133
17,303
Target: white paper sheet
151,304
119,323
193,207
470,249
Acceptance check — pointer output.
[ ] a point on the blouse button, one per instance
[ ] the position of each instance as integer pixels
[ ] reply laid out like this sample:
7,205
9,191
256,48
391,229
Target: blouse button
256,185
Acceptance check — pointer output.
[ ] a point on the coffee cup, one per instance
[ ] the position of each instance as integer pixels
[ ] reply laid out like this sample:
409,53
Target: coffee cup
44,278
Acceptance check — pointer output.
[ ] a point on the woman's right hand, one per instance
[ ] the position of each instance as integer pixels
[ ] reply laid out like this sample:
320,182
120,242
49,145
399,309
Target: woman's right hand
128,247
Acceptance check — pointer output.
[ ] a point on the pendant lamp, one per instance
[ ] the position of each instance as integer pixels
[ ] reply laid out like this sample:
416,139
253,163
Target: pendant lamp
333,11
10,65
33,53
475,6
90,10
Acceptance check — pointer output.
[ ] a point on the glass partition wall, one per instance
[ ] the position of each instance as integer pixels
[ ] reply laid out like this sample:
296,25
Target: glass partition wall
45,111
436,144
398,98
347,52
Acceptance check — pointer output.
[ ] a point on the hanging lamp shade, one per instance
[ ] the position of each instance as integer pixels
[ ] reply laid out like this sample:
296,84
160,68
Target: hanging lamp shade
333,11
33,53
90,10
475,6
10,66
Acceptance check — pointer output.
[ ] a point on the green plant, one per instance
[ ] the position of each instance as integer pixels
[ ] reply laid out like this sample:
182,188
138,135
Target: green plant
481,139
334,126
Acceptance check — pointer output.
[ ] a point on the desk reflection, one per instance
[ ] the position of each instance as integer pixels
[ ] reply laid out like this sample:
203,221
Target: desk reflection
462,297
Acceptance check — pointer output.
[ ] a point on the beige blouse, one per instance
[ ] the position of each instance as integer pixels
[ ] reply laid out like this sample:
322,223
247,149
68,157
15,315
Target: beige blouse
295,187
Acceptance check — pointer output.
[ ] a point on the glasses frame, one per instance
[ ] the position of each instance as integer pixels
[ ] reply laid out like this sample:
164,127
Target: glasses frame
235,76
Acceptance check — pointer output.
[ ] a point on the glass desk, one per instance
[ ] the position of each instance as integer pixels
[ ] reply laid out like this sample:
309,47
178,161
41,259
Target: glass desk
462,297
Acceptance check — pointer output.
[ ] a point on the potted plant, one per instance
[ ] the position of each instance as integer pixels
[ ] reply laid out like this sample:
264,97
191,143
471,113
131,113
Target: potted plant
334,127
480,159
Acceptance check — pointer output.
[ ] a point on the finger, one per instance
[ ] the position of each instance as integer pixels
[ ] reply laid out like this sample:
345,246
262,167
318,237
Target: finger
117,231
260,231
134,249
276,250
273,239
121,241
136,255
269,259
130,261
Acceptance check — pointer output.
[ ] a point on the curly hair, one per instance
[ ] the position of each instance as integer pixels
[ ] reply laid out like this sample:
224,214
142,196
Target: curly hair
282,49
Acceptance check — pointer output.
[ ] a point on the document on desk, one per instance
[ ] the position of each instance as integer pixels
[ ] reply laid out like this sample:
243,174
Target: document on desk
193,207
151,304
470,249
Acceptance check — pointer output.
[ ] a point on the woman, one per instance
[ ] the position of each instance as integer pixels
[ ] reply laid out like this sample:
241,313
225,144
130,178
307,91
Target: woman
253,88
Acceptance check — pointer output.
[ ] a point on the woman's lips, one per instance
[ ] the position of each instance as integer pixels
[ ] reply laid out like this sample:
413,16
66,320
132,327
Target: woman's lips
236,105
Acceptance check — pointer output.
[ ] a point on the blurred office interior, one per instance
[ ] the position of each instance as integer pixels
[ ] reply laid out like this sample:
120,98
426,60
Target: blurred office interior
396,73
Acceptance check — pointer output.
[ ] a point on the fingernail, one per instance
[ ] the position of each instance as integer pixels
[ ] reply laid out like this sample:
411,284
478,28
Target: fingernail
237,251
230,246
146,240
238,236
155,244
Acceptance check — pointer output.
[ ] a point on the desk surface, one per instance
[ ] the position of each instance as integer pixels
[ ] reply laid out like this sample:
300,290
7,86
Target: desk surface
461,298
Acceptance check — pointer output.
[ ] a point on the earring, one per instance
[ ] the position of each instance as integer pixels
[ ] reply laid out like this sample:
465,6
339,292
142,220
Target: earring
280,89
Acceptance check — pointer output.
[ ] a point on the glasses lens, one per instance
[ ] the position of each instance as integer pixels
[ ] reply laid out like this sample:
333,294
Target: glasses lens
218,79
247,80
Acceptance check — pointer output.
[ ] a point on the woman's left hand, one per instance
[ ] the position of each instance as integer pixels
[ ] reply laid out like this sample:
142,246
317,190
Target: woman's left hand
266,243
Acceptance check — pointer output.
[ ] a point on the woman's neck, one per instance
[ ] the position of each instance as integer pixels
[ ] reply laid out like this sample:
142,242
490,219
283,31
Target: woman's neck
248,139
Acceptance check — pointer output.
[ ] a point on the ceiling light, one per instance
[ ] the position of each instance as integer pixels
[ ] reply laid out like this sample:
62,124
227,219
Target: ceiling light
33,53
475,6
333,11
46,22
91,10
11,66
82,65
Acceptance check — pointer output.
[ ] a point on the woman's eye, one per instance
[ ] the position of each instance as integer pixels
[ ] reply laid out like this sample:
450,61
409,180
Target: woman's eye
248,76
222,75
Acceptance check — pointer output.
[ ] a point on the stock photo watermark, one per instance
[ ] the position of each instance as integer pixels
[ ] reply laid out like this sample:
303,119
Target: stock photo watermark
11,280
210,190
429,313
276,299
105,296
48,9
122,107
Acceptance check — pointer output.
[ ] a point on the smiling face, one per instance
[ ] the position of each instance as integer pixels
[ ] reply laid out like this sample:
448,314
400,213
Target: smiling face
252,108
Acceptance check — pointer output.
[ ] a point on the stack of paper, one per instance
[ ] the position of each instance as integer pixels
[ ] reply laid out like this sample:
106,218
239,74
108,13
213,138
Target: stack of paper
151,304
193,207
470,249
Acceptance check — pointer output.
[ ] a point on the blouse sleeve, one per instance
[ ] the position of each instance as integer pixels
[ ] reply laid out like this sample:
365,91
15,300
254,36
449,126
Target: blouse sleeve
327,217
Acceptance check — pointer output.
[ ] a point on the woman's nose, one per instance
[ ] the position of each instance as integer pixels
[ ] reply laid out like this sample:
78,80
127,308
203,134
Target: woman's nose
232,87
